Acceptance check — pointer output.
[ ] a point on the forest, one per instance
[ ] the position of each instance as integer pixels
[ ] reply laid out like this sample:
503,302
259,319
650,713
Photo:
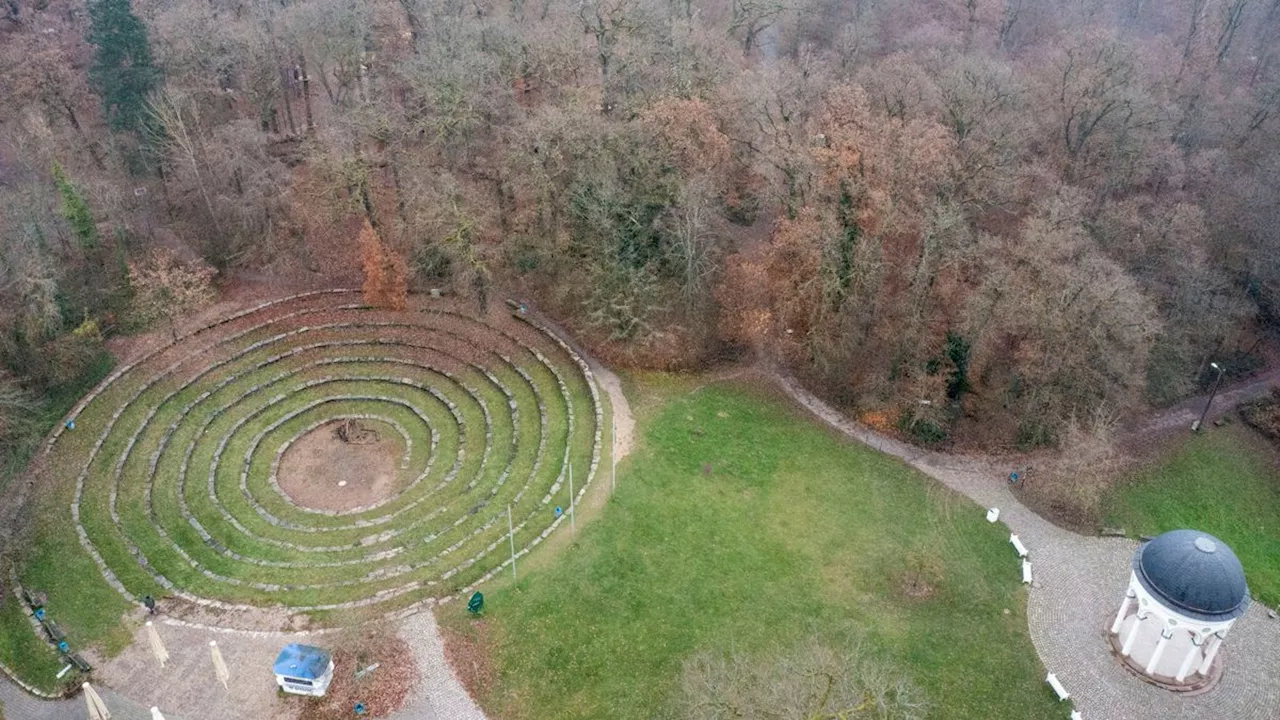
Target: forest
991,223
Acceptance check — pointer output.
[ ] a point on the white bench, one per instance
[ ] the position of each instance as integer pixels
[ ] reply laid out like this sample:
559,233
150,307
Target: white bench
1057,686
993,515
1017,545
1026,572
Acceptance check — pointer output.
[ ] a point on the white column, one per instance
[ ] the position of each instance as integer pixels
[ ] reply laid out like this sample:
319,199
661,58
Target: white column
1215,643
1124,610
1192,654
1165,634
1132,636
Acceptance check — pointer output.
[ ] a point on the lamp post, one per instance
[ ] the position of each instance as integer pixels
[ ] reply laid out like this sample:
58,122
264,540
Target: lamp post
1195,426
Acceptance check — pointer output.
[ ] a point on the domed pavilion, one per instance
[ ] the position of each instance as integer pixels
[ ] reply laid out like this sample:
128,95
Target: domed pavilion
1185,592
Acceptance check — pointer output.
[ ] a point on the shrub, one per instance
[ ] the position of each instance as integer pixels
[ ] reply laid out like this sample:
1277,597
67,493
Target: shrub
812,680
1263,415
925,432
1032,434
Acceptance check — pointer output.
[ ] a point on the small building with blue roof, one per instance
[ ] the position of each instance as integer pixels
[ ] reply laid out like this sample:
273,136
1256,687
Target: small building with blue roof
304,670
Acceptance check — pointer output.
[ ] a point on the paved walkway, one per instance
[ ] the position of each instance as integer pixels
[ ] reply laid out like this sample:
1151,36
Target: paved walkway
186,688
438,695
19,705
1079,582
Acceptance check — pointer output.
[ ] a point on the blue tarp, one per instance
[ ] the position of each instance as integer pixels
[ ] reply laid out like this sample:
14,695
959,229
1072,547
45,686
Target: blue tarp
302,661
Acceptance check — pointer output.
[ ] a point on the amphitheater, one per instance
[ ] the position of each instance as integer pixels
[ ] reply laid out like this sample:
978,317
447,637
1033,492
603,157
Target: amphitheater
206,472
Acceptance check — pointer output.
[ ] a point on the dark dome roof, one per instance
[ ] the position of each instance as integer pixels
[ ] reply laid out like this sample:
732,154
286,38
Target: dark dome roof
1195,573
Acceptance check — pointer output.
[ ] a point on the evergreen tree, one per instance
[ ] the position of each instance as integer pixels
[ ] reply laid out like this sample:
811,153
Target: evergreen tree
75,209
122,73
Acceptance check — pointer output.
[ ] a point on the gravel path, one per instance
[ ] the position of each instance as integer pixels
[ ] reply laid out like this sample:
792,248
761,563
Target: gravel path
1187,411
439,694
1079,582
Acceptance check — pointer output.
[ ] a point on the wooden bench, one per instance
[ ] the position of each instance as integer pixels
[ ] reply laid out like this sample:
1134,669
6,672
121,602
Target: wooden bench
80,663
55,633
34,599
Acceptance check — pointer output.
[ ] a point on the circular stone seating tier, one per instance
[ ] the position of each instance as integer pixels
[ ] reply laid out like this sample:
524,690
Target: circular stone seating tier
177,456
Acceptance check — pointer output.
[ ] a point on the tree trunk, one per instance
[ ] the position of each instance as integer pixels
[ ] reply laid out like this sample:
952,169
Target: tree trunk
306,91
415,23
285,90
395,182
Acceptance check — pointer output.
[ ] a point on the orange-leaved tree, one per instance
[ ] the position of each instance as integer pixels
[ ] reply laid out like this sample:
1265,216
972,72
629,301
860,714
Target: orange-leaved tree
386,276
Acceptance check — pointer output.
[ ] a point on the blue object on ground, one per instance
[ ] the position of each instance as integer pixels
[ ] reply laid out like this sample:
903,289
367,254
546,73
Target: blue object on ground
360,709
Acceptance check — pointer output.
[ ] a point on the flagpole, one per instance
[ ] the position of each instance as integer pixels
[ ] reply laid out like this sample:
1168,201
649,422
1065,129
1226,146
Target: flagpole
613,454
573,518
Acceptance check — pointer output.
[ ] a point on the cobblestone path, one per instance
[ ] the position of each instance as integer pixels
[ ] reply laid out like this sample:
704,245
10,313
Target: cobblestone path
1078,584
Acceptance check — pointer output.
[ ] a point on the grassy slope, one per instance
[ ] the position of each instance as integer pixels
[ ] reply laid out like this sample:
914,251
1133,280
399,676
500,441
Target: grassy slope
793,532
39,663
1224,482
20,648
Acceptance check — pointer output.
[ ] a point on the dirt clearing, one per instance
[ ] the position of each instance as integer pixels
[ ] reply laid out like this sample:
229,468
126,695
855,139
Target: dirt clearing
321,471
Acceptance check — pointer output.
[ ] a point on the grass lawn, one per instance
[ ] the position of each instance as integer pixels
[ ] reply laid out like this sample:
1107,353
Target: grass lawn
1224,482
20,648
741,523
18,643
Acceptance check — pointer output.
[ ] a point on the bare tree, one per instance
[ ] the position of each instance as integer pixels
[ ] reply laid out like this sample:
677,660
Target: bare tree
609,22
692,223
1233,14
164,287
1058,321
752,18
334,37
176,115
